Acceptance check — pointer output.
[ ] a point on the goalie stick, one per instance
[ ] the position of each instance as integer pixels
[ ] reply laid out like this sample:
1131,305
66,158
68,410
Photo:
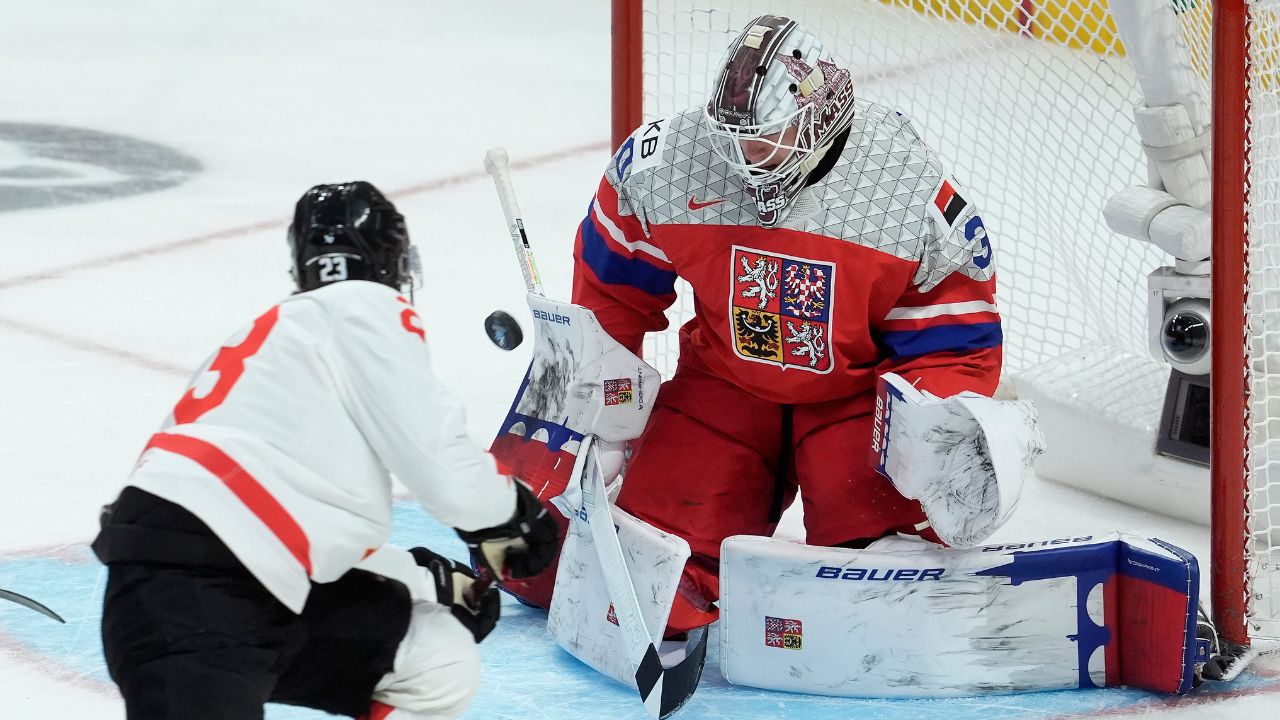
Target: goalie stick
662,690
497,164
25,601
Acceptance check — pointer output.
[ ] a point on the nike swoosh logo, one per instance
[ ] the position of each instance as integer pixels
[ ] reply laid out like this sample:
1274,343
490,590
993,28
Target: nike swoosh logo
695,205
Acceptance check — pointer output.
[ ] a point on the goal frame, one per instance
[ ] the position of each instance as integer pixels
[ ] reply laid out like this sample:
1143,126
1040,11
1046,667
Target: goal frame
1229,472
1229,381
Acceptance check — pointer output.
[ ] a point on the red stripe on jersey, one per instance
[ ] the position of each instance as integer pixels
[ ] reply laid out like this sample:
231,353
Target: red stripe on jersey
377,711
245,487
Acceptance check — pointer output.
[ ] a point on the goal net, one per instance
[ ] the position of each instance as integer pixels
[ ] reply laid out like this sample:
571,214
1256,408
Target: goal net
1032,105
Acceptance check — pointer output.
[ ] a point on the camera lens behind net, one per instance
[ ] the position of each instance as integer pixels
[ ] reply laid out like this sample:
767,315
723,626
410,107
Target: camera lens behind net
1185,336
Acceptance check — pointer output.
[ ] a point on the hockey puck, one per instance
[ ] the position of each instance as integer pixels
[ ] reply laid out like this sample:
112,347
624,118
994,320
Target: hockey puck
503,330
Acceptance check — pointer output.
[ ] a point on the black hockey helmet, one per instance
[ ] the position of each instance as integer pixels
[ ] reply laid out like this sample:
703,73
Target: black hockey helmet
348,231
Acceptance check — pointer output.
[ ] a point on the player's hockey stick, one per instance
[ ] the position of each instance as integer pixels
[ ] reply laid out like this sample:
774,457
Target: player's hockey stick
28,602
662,690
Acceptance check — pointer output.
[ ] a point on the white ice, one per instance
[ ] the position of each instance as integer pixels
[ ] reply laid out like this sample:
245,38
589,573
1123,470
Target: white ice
106,306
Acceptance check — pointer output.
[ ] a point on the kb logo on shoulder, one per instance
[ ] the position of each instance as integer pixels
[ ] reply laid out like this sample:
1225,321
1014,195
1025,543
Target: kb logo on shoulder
780,309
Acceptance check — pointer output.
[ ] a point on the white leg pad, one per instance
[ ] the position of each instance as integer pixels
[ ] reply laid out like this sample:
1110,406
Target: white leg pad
582,619
918,620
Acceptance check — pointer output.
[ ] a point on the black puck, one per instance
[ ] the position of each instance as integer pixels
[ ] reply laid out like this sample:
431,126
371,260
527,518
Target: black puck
503,330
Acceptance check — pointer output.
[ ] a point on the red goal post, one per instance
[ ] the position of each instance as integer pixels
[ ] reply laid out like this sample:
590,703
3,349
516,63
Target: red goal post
1246,319
1032,99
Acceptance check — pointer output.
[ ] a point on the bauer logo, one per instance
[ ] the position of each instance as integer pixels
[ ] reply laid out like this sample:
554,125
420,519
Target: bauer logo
880,574
550,317
783,633
618,392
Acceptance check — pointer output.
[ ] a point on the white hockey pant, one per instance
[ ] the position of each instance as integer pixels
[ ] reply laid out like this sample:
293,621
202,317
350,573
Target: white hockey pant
437,669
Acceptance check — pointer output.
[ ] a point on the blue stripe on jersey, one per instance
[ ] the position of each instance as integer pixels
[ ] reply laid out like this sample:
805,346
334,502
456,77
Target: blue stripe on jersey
618,269
942,338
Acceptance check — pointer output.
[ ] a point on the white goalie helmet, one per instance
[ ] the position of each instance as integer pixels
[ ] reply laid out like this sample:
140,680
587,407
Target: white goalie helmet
776,105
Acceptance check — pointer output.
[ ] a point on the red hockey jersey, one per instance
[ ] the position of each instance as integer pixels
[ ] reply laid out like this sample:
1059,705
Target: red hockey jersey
884,265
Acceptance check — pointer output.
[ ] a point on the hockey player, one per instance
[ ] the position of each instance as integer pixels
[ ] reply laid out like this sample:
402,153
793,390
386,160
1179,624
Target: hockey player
246,554
826,246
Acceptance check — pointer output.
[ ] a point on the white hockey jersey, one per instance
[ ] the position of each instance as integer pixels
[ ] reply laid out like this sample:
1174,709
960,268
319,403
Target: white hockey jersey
283,441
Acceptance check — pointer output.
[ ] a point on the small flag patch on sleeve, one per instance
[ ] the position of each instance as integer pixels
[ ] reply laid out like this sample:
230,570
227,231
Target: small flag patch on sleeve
948,203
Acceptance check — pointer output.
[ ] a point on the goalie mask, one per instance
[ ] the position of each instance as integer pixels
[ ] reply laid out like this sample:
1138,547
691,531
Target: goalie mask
775,108
350,231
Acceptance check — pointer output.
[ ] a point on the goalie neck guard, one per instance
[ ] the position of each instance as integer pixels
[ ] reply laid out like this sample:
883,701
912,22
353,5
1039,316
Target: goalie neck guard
776,106
348,231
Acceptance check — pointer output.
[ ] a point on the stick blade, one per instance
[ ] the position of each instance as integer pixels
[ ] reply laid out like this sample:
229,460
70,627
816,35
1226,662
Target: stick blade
666,690
27,602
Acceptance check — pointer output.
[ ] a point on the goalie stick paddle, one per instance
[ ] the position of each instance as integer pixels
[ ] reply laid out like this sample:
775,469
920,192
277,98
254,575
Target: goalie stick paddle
25,601
662,690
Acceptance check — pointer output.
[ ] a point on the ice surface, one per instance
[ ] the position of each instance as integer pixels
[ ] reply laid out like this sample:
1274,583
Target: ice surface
123,277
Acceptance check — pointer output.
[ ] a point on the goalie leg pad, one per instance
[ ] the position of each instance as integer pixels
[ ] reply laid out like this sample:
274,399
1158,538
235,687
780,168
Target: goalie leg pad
920,622
582,618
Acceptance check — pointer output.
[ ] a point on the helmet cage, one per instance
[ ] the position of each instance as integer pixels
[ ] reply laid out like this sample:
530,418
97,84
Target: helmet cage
776,106
789,141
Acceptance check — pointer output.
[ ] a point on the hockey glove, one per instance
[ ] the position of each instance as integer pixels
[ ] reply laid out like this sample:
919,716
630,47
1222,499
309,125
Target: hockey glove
452,580
519,548
965,458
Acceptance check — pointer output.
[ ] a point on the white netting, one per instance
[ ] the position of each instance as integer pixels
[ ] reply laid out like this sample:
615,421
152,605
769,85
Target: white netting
1032,105
1263,286
1040,132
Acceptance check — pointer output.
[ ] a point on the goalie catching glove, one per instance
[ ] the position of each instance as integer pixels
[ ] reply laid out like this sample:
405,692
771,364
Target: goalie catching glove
964,458
453,580
519,548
